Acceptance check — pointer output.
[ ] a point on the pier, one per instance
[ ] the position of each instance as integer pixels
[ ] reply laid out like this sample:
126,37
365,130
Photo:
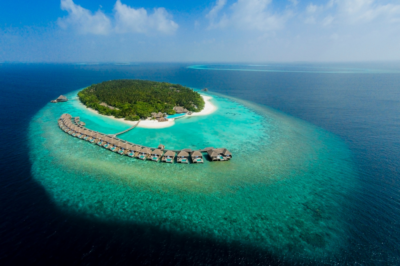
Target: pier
122,147
122,132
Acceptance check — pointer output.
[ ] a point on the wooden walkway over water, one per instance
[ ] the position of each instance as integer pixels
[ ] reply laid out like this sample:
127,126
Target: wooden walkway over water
122,132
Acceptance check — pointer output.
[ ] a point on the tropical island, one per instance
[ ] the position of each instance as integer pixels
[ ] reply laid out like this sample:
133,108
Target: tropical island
134,100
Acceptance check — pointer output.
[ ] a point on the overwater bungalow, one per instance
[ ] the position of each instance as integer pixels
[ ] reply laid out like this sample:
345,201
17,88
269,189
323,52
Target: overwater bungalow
123,148
134,151
78,132
197,157
161,147
117,145
156,155
99,139
61,98
127,149
168,157
219,154
86,134
227,154
106,142
91,136
113,144
183,157
82,133
144,154
73,131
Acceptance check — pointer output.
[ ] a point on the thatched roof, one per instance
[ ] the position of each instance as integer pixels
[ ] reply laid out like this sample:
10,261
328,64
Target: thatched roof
169,153
179,109
62,98
226,152
120,144
161,147
145,150
157,152
196,153
162,119
136,148
183,153
213,153
126,146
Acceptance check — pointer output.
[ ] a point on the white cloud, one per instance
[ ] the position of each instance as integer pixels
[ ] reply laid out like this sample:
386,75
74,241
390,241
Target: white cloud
311,8
126,20
215,10
327,20
83,20
129,19
249,15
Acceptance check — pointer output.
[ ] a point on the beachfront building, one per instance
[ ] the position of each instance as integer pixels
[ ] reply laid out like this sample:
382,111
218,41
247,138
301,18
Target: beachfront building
197,157
180,110
168,157
183,157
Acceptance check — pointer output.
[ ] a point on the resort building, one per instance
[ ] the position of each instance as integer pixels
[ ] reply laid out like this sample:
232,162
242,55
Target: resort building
144,153
60,98
109,106
197,157
219,154
156,155
180,110
183,157
67,124
168,157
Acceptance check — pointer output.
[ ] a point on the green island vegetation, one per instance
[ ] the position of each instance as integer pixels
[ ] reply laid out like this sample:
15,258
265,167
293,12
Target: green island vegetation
138,99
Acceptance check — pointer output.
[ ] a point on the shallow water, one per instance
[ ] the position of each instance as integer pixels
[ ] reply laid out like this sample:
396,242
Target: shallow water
67,205
282,191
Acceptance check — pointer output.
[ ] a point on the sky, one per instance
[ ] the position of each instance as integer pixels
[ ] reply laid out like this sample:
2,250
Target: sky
199,31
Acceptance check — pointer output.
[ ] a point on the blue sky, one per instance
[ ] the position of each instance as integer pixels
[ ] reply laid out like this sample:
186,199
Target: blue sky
196,31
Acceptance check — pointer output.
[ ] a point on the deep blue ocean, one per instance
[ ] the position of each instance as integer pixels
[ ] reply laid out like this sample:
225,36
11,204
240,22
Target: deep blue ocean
359,103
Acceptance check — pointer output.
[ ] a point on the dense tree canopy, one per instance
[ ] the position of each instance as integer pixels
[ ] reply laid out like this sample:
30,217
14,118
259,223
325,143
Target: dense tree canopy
135,99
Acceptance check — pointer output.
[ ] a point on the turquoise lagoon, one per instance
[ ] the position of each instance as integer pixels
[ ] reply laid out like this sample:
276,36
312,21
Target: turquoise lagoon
282,192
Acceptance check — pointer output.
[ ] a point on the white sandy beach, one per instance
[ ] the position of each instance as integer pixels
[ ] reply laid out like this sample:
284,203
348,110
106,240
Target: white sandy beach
209,108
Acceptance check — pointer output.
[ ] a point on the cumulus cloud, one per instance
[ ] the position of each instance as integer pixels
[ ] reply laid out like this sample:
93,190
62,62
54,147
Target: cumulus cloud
83,20
126,20
354,12
247,15
129,19
215,10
